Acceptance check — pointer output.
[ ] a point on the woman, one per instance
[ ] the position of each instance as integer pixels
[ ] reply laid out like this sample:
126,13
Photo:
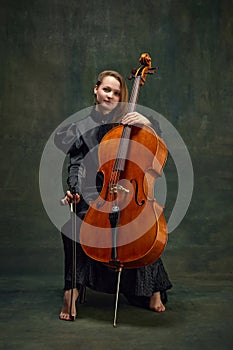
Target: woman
145,286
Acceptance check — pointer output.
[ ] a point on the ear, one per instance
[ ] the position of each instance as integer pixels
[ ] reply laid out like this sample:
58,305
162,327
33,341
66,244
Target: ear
95,89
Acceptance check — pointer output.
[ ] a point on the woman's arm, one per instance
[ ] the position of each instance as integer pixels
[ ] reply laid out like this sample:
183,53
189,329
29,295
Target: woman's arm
69,141
137,118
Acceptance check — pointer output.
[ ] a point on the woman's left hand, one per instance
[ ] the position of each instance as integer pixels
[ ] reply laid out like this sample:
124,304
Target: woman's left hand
135,118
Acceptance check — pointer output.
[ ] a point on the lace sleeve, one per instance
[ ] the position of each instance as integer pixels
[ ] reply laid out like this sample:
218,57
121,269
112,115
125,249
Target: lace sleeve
69,140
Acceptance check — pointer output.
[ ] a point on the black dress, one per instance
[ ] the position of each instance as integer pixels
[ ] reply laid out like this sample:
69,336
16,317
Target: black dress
80,140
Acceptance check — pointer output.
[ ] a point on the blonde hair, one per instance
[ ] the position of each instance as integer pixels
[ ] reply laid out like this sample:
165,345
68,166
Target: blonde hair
121,109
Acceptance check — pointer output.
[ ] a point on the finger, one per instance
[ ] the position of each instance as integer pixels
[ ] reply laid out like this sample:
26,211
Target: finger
76,198
129,116
131,121
128,120
64,201
69,194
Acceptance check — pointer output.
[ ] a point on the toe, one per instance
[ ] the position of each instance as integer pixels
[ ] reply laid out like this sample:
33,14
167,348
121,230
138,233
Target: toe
64,317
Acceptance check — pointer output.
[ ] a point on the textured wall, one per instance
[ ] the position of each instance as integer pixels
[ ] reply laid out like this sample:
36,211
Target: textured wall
51,53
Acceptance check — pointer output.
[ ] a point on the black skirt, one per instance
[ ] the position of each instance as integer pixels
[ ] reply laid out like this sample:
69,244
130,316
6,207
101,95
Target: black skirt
137,285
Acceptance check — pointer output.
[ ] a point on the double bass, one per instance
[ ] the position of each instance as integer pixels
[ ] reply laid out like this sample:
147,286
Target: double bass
125,226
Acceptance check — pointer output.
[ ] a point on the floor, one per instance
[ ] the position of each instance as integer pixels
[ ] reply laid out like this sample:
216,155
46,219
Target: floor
198,317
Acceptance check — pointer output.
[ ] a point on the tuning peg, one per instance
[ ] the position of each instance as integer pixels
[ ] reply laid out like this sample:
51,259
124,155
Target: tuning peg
152,70
132,75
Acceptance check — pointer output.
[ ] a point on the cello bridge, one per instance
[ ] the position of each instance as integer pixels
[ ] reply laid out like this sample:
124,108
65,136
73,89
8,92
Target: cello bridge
113,188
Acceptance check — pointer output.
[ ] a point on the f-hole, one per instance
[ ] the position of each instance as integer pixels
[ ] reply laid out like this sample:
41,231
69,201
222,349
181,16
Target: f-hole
136,193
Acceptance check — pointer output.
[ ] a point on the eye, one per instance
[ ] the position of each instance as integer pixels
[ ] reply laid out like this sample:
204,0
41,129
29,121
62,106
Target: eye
117,93
106,89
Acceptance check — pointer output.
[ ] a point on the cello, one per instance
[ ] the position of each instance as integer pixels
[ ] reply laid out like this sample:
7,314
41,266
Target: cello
125,226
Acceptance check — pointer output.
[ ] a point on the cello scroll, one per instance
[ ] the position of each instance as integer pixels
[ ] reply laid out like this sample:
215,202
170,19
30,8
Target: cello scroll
144,69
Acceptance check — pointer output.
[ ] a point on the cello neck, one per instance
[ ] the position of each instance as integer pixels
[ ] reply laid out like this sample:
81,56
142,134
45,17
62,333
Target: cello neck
139,79
125,137
134,95
131,107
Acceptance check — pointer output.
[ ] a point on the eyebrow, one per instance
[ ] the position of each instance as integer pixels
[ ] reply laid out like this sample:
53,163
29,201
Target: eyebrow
109,87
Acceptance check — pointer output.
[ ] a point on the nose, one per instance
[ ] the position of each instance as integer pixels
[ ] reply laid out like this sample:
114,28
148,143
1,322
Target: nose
110,94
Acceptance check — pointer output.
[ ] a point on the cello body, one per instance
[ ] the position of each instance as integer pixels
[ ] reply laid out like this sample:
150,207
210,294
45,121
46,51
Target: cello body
125,226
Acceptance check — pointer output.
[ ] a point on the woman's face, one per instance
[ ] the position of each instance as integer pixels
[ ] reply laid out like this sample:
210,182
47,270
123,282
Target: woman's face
108,94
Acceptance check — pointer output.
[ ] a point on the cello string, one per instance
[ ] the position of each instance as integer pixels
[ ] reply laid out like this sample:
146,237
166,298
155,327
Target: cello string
125,137
134,94
124,142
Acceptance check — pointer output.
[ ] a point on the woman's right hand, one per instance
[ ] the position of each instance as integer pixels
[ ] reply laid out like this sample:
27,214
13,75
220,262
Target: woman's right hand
70,198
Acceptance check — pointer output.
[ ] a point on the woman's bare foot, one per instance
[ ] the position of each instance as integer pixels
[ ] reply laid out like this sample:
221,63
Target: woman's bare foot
156,303
68,314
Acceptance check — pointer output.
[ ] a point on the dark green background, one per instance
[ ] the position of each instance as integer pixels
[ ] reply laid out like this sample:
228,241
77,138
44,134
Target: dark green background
51,53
